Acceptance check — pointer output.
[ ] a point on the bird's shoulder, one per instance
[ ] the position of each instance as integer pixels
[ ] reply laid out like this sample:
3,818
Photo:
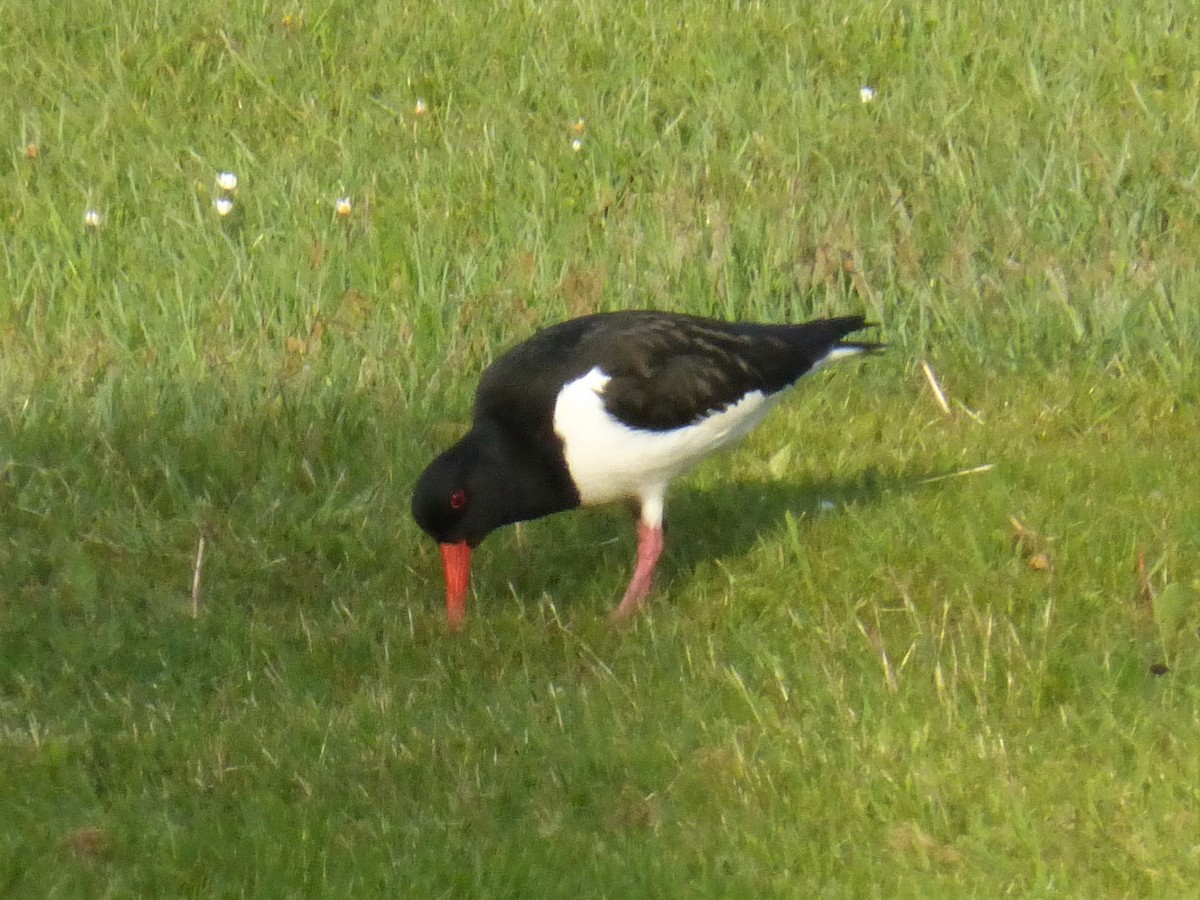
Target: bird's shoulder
519,389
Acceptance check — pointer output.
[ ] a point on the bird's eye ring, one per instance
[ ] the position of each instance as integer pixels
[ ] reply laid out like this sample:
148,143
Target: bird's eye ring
458,499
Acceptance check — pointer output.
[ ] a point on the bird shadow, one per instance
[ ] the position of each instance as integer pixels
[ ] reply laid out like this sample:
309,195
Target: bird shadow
728,519
569,556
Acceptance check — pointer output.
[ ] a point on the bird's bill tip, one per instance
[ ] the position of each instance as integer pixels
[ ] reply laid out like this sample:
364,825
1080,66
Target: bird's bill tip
456,560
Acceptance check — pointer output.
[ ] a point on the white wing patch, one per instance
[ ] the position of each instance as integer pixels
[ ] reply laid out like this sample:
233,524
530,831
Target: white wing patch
609,460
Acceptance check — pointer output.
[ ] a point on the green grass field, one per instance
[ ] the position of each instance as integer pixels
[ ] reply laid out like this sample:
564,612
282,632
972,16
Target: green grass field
895,651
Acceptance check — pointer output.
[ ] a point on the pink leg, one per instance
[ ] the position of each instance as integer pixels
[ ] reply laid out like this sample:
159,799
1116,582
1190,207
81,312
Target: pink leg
650,547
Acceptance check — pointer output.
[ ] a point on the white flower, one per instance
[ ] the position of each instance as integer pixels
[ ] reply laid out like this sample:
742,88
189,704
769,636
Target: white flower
91,218
224,206
421,107
227,181
826,506
577,145
343,207
866,93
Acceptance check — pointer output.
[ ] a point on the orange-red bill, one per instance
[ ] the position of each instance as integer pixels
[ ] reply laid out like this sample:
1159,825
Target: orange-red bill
456,559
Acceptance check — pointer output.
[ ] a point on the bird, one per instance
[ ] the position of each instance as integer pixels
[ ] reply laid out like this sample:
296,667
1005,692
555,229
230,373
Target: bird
606,408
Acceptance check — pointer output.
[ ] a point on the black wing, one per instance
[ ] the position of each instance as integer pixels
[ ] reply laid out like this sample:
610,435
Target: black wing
674,371
666,369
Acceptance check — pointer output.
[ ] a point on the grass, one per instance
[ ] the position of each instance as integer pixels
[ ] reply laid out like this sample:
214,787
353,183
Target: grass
858,678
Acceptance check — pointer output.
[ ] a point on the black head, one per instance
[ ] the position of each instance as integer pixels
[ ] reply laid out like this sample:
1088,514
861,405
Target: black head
485,481
451,501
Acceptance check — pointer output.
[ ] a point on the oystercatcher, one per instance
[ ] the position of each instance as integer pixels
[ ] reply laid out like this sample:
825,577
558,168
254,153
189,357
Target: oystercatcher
604,408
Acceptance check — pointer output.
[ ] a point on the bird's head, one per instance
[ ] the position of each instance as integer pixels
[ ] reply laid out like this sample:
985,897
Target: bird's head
458,500
486,480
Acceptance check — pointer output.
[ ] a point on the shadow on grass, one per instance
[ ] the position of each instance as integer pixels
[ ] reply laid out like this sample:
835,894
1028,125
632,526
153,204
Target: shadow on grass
728,519
589,551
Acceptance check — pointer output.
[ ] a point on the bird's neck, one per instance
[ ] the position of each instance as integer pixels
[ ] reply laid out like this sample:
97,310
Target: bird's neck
538,482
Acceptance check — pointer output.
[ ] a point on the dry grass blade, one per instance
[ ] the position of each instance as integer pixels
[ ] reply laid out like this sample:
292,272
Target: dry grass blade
974,470
936,387
196,571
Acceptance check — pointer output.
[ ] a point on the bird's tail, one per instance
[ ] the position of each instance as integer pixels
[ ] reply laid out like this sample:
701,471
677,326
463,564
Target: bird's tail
838,348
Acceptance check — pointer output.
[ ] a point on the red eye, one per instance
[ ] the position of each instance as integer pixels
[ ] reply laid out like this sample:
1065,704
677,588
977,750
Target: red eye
458,499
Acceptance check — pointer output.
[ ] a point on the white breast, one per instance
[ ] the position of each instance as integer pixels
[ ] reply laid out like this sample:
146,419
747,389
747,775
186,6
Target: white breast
609,460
